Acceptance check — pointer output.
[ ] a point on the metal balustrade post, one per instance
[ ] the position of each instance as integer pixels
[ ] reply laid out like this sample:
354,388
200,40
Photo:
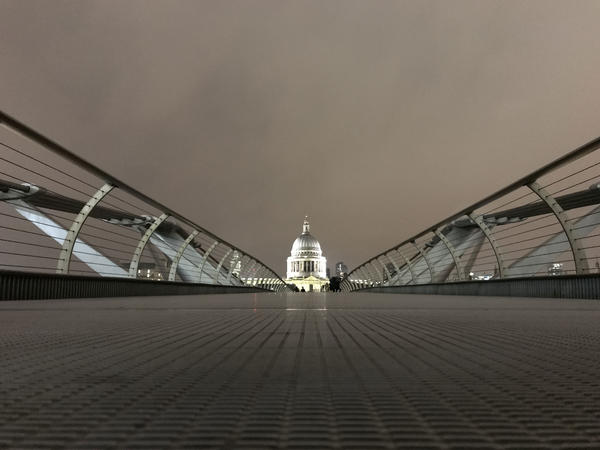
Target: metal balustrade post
206,255
579,256
135,260
453,253
422,253
179,254
490,237
221,265
64,260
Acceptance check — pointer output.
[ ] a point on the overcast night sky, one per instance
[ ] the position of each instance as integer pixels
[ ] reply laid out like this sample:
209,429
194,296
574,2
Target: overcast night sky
375,118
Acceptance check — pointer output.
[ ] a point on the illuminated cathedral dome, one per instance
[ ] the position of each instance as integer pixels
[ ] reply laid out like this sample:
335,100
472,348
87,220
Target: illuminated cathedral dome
306,244
306,266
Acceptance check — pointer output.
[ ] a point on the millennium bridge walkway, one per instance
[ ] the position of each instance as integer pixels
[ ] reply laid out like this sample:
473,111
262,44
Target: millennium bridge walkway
125,325
306,371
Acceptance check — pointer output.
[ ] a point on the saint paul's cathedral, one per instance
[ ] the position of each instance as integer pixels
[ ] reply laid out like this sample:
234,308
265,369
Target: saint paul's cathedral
307,267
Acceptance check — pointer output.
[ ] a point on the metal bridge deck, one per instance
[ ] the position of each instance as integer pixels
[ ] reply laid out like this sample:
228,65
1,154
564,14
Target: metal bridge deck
300,371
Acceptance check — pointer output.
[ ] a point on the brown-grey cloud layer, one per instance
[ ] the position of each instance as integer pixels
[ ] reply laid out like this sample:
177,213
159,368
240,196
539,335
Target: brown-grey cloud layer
375,118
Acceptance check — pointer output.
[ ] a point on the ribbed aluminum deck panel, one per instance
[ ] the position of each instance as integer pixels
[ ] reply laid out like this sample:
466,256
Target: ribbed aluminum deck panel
303,371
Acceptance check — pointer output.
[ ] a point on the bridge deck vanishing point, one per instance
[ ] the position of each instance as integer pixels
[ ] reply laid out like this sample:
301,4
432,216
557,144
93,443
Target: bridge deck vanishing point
300,371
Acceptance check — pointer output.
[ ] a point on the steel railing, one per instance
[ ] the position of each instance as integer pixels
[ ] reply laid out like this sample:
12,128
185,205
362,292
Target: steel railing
61,214
546,223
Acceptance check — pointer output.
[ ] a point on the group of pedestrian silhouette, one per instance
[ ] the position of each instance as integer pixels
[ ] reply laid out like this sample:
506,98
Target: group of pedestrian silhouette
334,285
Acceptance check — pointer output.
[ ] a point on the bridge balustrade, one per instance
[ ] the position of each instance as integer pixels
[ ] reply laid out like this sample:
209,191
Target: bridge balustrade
62,216
545,225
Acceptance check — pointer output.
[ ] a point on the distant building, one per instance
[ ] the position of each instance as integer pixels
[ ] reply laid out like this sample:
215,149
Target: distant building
306,266
328,272
341,269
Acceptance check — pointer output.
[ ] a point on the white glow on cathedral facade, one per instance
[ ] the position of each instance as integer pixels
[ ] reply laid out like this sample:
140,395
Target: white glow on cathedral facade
306,266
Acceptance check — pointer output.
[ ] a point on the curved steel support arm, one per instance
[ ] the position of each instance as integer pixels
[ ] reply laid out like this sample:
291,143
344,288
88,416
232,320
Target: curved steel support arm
343,285
408,264
221,265
64,260
346,285
490,237
378,276
257,276
385,255
271,283
396,268
579,257
365,274
249,271
384,272
422,253
205,258
135,260
263,276
411,269
244,260
179,254
455,257
233,262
